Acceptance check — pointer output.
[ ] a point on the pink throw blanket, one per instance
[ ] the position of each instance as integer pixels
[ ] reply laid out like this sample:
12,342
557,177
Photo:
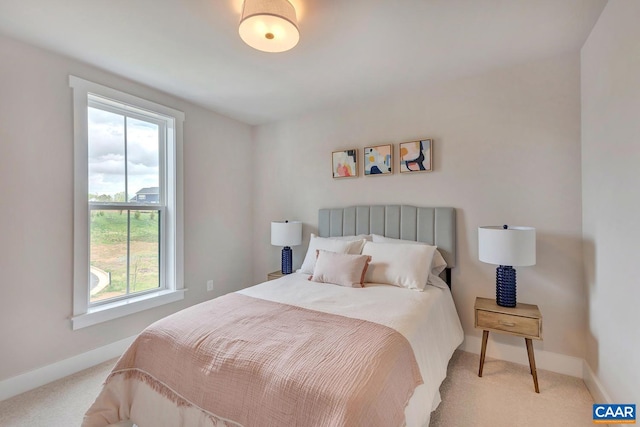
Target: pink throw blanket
253,362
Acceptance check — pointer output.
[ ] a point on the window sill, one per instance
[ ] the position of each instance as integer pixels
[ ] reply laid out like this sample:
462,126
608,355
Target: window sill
106,312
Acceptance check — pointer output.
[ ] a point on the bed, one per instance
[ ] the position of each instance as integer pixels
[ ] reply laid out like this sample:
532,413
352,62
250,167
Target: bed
295,351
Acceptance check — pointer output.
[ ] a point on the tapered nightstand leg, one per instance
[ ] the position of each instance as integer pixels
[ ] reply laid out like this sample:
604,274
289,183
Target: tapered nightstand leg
532,363
485,336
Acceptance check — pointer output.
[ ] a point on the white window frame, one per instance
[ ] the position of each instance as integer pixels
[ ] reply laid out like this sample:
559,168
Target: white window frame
172,287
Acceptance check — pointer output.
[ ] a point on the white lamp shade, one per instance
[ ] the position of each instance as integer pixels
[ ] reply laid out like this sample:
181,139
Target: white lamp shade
269,25
285,233
514,246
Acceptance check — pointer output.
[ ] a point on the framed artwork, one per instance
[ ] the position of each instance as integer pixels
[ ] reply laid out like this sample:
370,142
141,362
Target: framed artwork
378,160
345,163
415,156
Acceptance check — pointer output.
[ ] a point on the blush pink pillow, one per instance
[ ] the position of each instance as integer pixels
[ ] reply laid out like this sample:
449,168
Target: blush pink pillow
340,269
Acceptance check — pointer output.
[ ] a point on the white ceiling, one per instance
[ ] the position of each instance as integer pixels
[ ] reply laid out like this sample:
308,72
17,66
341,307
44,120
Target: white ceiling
349,50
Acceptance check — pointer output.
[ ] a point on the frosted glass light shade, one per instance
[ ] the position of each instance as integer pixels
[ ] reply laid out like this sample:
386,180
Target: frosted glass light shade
269,25
286,233
514,246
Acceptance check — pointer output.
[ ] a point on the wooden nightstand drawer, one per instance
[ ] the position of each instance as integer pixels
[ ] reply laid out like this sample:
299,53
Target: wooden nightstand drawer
525,326
274,275
523,320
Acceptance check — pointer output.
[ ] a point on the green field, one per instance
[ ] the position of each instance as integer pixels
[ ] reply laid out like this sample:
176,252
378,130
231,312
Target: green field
109,250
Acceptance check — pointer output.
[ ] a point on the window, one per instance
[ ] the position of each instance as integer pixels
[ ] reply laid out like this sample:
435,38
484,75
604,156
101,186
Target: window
127,209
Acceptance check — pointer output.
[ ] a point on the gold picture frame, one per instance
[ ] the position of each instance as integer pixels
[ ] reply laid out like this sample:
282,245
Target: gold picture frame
378,160
344,163
416,156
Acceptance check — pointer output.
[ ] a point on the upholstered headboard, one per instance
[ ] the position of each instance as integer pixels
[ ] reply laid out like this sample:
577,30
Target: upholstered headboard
434,226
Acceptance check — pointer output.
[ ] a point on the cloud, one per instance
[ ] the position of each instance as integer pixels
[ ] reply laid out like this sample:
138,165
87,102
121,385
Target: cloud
107,166
107,153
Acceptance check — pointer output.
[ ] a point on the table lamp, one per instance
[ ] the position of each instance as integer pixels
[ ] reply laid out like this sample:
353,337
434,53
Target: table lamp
506,247
287,234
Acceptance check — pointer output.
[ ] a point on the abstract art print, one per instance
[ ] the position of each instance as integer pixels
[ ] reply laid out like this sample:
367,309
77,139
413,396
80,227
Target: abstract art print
378,160
345,163
415,156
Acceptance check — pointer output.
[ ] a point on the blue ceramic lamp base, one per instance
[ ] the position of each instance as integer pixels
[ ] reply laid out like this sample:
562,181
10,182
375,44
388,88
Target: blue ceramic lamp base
506,286
287,260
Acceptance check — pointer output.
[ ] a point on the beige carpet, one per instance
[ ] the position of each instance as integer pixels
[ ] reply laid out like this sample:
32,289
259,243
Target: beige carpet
61,403
504,396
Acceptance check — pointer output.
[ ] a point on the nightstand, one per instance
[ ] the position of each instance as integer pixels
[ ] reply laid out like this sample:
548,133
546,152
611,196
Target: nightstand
523,320
275,275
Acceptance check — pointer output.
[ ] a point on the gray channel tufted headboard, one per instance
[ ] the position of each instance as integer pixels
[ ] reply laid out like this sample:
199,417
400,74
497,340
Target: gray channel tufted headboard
434,226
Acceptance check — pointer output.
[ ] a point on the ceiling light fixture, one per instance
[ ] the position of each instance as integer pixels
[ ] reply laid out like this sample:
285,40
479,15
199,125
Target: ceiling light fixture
269,25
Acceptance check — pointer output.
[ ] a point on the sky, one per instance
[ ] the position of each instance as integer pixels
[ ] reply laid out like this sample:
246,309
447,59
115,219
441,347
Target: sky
107,153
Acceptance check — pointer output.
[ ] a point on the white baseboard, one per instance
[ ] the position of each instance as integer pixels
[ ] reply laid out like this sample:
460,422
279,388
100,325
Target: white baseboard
554,362
594,385
41,376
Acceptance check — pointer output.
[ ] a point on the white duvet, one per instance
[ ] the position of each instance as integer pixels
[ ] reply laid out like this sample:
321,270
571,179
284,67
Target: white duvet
427,319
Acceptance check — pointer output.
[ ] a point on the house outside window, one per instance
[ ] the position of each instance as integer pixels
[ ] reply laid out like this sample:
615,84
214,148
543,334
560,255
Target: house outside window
149,195
127,215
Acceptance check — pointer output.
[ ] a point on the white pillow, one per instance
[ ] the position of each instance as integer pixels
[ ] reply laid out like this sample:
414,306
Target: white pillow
328,244
340,269
437,265
399,264
366,237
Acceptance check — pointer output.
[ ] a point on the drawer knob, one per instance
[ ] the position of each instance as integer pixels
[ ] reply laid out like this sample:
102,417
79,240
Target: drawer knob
503,323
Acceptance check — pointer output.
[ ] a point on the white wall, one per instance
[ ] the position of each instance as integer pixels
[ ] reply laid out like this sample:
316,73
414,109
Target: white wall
36,208
611,199
507,151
